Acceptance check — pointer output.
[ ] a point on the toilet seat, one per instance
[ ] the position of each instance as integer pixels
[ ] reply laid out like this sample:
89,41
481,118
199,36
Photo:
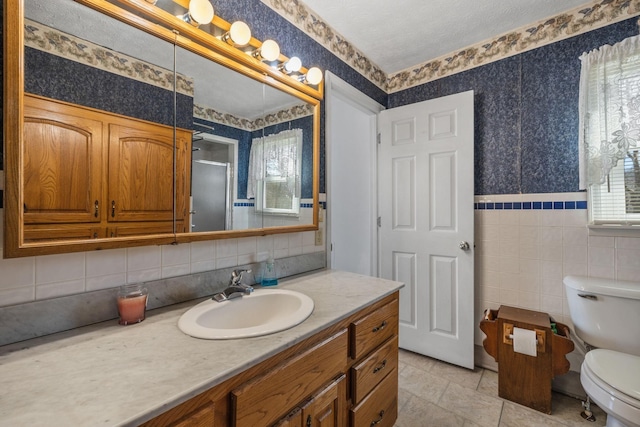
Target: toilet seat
620,371
615,372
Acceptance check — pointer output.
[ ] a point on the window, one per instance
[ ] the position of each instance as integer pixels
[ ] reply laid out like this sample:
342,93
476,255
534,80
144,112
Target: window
274,173
610,132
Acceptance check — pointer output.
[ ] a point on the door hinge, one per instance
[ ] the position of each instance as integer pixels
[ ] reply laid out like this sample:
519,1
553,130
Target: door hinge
379,137
379,221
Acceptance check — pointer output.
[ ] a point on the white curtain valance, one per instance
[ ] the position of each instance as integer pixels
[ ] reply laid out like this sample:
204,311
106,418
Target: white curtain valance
609,108
276,155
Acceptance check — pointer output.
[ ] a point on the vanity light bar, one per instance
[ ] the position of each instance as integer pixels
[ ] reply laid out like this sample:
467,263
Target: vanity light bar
238,35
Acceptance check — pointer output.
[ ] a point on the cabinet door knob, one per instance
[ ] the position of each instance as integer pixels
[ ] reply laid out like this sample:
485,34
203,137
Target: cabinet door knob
308,420
113,208
96,205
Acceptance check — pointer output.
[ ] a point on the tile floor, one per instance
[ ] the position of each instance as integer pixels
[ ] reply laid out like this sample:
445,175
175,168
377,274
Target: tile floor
434,393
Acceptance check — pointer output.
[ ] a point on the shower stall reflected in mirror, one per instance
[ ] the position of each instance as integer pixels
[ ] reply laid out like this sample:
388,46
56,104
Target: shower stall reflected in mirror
213,163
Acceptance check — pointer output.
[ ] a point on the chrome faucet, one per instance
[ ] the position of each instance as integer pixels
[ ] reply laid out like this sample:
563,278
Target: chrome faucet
235,288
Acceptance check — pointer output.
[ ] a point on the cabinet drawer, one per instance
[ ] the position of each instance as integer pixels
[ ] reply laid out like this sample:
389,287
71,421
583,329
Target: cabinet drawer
368,373
372,330
262,400
380,407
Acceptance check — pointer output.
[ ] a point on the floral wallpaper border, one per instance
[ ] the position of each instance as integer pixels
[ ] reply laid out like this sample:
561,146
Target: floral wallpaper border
577,21
281,116
56,42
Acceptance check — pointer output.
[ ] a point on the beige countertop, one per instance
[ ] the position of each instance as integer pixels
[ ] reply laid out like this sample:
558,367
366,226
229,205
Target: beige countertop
107,374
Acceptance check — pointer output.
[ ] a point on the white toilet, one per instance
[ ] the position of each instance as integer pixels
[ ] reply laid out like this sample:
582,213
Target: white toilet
606,315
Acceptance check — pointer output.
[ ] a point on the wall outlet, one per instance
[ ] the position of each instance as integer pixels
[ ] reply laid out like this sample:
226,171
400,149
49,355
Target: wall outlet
319,238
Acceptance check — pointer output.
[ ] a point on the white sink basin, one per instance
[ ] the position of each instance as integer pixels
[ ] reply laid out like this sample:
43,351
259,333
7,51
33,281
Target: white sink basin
262,312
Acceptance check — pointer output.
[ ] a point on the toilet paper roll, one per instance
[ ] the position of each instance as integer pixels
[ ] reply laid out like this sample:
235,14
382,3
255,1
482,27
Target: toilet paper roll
524,341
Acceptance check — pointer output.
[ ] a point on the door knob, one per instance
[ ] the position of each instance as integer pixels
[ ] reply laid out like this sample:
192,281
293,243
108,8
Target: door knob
464,246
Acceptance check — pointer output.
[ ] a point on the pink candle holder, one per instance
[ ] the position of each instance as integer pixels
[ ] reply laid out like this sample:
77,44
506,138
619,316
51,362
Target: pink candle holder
132,303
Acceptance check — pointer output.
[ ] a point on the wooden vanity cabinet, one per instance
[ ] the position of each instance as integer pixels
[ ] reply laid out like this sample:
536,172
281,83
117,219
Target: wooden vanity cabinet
325,409
374,373
92,174
271,395
345,375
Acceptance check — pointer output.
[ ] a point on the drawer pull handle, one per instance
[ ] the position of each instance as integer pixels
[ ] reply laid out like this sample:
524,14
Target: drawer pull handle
381,367
379,420
381,327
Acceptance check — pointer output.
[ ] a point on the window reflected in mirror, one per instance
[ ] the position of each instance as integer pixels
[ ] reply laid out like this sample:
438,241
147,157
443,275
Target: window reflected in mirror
275,169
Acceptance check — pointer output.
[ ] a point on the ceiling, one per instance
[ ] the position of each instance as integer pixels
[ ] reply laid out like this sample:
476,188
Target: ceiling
399,34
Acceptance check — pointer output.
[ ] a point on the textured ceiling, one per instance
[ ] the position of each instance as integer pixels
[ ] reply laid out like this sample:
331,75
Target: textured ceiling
398,34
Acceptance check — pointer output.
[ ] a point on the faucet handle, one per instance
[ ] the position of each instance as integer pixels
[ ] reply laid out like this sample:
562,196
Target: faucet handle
236,276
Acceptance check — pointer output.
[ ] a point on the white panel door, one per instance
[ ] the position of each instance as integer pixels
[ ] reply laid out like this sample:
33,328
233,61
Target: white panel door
425,179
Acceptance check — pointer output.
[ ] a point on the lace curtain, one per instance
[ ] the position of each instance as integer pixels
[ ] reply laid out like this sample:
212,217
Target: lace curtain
274,155
609,106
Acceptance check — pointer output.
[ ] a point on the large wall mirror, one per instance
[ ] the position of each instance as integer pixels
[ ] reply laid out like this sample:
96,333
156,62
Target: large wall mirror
126,126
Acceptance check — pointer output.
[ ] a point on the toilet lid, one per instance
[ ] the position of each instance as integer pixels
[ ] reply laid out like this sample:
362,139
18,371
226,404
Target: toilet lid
620,370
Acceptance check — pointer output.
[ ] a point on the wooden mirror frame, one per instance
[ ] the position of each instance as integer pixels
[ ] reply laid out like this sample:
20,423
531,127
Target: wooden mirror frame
189,38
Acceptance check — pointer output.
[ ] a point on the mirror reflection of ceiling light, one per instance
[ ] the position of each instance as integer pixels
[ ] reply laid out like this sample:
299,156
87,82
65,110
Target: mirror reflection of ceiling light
269,51
238,35
200,12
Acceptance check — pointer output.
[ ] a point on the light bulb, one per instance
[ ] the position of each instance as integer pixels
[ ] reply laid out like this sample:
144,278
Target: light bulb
201,11
269,51
292,65
314,76
240,33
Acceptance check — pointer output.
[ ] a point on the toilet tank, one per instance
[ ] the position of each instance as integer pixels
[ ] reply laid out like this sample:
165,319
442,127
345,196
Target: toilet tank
605,312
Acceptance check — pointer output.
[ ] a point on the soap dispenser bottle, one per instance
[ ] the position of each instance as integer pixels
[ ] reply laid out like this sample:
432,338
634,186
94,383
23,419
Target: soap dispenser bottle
269,277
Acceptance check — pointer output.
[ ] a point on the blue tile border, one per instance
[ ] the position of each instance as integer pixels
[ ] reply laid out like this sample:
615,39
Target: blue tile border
566,205
252,204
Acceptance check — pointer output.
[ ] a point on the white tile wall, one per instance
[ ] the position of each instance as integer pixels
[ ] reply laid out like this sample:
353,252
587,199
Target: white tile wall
33,278
523,255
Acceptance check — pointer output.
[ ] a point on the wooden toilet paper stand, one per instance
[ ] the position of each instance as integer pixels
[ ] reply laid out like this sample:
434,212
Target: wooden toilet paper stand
522,378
